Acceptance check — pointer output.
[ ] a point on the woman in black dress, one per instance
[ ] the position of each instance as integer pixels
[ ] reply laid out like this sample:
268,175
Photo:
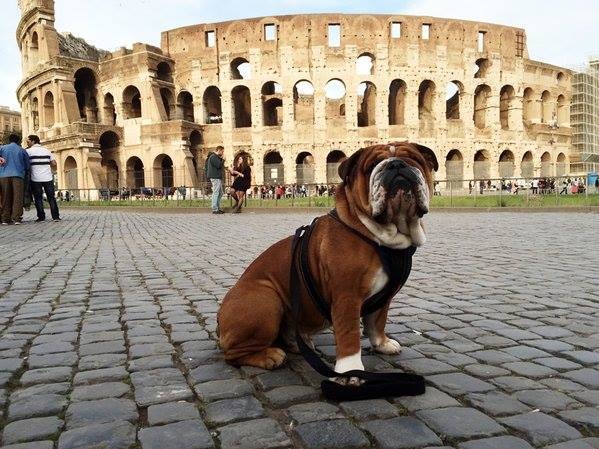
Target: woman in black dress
243,180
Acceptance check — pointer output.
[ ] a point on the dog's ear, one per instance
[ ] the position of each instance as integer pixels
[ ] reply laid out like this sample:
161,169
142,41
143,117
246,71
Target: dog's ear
348,166
429,155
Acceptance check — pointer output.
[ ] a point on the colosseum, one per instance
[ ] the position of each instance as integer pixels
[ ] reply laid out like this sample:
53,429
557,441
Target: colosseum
297,93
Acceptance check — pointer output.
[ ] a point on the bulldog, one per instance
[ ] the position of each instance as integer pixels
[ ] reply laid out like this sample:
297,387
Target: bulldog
384,194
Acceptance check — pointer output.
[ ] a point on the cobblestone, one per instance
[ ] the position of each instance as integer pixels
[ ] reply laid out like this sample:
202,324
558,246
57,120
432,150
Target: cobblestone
111,316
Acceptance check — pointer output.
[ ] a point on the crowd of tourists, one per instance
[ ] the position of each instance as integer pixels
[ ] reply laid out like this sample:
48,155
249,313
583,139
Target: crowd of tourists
26,173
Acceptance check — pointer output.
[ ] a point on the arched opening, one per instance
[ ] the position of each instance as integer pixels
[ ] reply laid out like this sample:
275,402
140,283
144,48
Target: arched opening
164,72
426,100
109,140
546,164
71,181
527,168
482,67
367,104
168,102
109,145
547,114
240,69
242,106
131,102
335,99
365,64
109,110
528,106
274,170
135,173
560,78
506,164
334,159
195,147
272,104
453,93
397,102
304,168
482,165
85,89
211,100
481,104
507,97
560,166
185,106
163,171
454,169
303,102
35,115
49,109
562,111
34,48
111,169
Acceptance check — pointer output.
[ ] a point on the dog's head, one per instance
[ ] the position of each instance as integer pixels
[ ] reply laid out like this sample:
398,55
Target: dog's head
390,187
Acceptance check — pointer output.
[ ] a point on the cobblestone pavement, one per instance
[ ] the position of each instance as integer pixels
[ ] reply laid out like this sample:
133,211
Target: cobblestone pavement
108,338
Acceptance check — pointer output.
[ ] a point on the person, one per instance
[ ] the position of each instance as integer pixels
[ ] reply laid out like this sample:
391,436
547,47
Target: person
481,185
243,180
14,166
597,184
42,163
470,187
215,165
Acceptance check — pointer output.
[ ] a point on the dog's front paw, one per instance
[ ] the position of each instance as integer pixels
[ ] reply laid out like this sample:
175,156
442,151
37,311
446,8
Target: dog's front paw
389,347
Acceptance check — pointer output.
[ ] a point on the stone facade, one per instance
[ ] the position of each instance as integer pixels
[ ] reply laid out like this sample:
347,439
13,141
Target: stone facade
295,92
10,121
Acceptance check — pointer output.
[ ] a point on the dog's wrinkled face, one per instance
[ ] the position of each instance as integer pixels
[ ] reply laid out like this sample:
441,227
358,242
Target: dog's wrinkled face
390,186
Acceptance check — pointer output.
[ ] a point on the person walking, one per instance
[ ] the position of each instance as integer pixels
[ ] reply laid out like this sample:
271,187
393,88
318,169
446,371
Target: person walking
215,165
14,165
243,179
42,163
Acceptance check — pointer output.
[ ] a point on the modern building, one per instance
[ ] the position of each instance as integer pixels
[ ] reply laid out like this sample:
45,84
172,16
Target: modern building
10,121
585,118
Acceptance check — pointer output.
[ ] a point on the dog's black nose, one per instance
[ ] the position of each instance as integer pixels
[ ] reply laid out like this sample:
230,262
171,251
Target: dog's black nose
421,212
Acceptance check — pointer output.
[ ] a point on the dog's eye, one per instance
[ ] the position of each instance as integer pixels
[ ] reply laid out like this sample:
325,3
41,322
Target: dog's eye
371,166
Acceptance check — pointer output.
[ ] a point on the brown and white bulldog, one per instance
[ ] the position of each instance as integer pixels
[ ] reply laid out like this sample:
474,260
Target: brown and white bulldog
384,194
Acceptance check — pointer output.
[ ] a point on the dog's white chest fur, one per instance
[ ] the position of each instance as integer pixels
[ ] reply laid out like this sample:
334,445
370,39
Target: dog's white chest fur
379,281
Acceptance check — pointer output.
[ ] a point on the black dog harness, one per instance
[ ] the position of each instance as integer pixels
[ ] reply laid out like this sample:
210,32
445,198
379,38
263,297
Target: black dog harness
397,264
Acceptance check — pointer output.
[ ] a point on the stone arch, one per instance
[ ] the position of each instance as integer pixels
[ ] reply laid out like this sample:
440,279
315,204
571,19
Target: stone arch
454,168
547,113
563,111
211,101
274,169
242,106
453,93
303,102
507,98
561,165
367,104
528,106
397,102
482,165
365,64
34,47
506,164
168,102
109,110
482,67
481,105
334,159
109,140
185,106
241,69
426,100
85,89
49,117
164,72
560,78
135,173
109,144
546,164
132,107
71,181
272,104
163,171
335,92
527,166
304,168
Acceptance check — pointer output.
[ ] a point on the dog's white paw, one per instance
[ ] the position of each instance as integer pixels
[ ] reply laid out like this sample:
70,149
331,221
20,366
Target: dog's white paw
389,347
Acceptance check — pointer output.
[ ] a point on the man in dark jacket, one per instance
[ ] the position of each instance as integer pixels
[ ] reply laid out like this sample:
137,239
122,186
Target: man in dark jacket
14,165
215,165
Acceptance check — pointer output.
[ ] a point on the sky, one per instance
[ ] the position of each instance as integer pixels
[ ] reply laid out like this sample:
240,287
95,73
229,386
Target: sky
558,32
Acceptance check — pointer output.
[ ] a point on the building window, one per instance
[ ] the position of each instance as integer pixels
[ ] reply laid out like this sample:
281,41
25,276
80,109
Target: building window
395,30
210,38
426,31
270,32
334,35
481,41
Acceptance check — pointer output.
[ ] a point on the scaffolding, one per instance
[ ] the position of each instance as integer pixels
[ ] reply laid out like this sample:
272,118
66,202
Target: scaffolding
584,117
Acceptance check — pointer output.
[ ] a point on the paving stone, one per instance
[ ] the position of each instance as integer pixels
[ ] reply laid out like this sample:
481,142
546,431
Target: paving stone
557,363
530,370
590,397
585,376
541,429
38,405
552,346
31,429
100,376
285,396
150,363
584,357
516,383
496,403
432,398
459,383
109,347
223,389
215,371
369,409
493,356
563,385
546,400
11,365
525,352
254,434
93,362
172,412
100,411
137,351
403,432
425,366
277,378
61,388
100,391
33,445
231,410
45,376
313,411
115,435
587,418
485,371
191,434
504,442
574,444
338,433
51,360
460,423
50,348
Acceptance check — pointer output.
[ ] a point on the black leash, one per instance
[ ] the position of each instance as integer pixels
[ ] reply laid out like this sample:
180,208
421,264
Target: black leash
375,385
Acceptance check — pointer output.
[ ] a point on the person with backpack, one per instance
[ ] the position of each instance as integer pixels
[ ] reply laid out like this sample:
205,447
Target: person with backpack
14,166
214,172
